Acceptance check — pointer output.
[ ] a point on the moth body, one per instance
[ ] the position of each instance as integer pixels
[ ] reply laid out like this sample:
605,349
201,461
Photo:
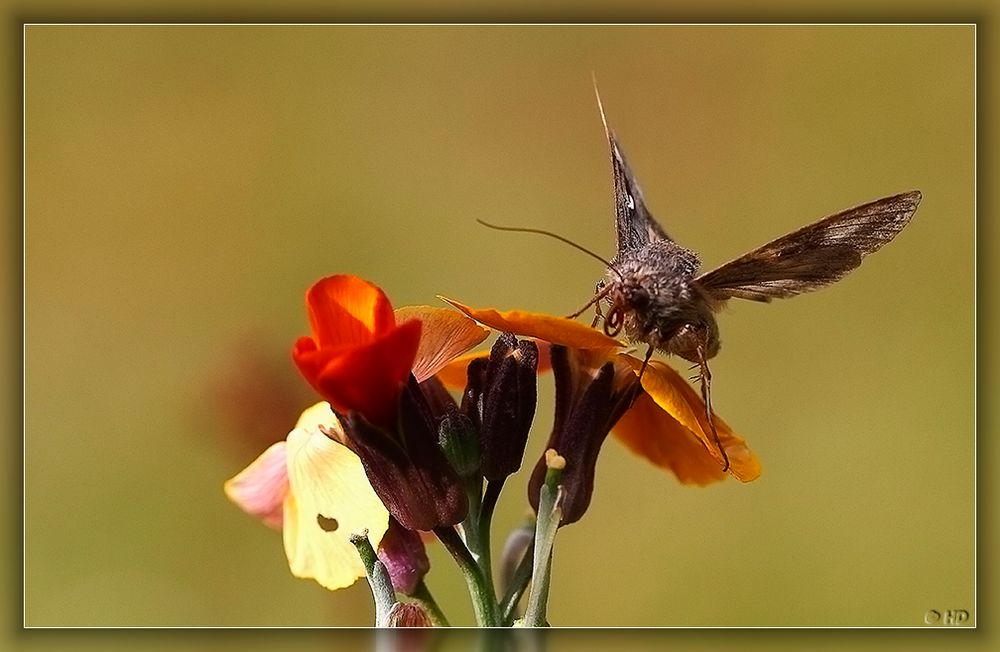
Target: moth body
659,300
657,296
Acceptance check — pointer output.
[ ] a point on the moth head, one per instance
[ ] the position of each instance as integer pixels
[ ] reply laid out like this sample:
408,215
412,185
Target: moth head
629,294
635,296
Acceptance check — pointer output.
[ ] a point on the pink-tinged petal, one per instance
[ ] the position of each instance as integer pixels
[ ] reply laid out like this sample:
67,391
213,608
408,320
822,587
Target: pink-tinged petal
445,334
260,489
405,557
557,330
678,399
329,499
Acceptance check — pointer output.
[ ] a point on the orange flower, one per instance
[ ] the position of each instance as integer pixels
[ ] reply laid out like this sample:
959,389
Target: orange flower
666,424
358,357
312,485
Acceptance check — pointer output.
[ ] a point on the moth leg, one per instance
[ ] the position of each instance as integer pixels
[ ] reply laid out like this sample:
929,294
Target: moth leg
705,377
645,361
628,398
598,315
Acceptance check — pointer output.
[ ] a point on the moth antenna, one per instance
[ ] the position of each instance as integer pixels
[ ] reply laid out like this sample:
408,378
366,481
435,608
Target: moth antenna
524,229
593,301
600,106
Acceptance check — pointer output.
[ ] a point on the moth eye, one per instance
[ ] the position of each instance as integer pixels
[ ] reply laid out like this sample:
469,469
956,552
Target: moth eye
639,298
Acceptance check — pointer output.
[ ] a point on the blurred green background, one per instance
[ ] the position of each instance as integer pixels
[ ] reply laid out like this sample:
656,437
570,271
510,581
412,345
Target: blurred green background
185,185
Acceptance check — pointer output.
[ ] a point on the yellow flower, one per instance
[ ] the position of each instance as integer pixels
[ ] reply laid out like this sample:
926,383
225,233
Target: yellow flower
315,489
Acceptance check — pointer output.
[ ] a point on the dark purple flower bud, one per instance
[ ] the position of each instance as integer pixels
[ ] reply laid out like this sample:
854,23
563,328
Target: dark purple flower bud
500,399
405,558
472,397
459,440
438,398
589,402
407,468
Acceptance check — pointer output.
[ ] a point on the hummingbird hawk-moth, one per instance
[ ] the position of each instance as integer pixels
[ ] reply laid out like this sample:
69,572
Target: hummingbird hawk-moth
655,294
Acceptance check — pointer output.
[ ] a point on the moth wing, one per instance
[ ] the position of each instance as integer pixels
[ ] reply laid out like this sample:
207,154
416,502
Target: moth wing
634,223
815,255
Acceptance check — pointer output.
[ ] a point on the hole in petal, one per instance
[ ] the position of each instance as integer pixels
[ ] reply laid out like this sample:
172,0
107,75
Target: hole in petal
327,524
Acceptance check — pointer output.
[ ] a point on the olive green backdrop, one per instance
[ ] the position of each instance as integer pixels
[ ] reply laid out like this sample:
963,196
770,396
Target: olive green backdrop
185,185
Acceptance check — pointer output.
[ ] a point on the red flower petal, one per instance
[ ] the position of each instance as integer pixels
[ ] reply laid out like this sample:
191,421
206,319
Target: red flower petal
345,310
365,378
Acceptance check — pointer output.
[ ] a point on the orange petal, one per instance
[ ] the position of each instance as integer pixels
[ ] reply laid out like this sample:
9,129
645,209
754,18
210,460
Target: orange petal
557,330
678,399
650,432
347,310
455,373
445,335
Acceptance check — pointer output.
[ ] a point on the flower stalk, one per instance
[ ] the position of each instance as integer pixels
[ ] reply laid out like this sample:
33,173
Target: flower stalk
423,596
484,602
549,516
518,584
485,524
378,578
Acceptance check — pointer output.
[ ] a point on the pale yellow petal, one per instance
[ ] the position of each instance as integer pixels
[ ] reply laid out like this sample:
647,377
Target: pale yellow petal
321,417
317,415
330,499
445,335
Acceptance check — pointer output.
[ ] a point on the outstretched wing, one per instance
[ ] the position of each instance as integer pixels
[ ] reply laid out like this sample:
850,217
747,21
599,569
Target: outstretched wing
815,255
634,224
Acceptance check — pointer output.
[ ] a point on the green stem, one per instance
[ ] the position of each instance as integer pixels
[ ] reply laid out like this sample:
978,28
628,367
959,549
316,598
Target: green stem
470,526
549,515
483,601
378,578
518,583
423,595
487,507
